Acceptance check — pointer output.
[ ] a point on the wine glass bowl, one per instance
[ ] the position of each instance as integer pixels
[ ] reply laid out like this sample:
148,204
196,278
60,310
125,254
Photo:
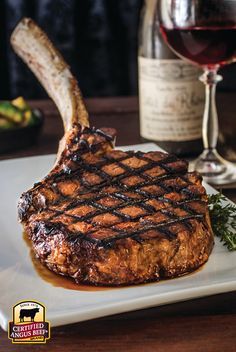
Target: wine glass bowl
203,32
209,47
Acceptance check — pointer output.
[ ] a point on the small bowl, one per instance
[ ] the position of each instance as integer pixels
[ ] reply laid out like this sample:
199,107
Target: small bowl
21,137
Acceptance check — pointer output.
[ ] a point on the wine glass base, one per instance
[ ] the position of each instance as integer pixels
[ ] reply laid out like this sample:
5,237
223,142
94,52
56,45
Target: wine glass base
214,169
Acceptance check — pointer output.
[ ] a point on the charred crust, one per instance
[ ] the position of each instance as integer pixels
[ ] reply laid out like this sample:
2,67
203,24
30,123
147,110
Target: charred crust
24,205
111,217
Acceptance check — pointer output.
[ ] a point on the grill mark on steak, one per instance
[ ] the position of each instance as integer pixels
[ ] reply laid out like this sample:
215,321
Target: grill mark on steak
172,180
110,180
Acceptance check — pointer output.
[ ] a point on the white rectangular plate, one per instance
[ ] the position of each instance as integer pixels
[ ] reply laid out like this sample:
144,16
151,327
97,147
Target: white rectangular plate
19,280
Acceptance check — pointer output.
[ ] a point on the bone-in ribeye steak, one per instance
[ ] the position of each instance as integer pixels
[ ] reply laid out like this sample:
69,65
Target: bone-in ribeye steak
104,216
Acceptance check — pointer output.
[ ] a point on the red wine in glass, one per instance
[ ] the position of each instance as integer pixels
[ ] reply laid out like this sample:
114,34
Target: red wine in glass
206,46
204,33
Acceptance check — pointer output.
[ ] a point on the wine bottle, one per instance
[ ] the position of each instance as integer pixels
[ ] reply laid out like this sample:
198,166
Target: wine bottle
171,98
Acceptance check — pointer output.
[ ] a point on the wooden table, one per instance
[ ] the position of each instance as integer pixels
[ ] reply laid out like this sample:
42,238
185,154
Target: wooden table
205,324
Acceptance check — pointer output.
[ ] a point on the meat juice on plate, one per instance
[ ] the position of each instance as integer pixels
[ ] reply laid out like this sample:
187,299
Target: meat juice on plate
57,280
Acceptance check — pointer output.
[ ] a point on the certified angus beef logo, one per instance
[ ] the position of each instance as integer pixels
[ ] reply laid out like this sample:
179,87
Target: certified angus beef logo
29,323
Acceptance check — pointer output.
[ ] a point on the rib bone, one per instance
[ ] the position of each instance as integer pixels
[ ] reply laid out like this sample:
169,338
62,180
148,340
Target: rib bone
38,52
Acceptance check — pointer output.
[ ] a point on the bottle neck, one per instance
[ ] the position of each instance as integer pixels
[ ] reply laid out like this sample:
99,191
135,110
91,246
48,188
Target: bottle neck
150,6
151,43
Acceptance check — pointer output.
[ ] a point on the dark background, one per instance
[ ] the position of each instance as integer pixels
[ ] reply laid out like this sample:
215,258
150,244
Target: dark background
98,38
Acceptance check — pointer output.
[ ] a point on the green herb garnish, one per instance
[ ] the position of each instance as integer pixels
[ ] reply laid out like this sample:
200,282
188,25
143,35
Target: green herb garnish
223,220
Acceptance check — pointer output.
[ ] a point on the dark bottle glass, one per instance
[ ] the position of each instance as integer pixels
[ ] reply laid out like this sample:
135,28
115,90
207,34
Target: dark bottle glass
171,98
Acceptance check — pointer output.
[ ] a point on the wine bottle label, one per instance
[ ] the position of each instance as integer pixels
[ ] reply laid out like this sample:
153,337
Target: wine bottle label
171,100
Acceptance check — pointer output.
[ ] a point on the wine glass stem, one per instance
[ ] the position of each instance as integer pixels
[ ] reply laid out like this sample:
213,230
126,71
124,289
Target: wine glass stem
210,127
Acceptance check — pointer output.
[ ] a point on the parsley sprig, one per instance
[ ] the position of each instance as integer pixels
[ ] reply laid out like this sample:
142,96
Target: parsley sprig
223,219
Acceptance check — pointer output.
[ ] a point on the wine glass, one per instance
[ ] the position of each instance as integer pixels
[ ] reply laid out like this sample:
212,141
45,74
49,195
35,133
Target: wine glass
204,33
